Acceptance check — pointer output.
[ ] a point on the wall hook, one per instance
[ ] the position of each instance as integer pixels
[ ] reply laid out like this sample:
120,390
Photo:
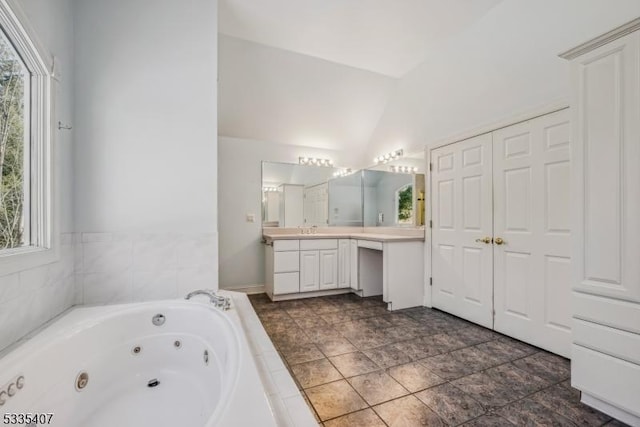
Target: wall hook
64,127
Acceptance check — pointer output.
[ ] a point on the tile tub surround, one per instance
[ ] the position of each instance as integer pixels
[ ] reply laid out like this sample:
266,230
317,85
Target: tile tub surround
131,267
287,402
31,297
357,364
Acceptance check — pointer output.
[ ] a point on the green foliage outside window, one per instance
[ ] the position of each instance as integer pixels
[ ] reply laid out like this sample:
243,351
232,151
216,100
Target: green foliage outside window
12,146
405,204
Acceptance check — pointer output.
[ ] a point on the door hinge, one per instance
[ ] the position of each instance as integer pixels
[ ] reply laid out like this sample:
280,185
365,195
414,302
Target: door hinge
430,281
430,224
493,313
430,166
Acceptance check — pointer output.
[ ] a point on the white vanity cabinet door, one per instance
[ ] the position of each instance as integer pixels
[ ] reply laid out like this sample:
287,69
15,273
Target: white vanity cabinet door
309,271
344,255
353,265
328,269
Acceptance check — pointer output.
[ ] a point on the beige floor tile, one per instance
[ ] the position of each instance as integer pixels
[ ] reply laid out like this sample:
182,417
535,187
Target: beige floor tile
415,376
407,411
366,418
315,372
352,364
335,399
377,387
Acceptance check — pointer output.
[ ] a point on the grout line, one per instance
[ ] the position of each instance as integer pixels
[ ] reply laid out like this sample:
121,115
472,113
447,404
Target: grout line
497,337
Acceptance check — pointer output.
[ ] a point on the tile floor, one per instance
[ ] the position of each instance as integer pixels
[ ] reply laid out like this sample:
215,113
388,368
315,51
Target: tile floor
359,365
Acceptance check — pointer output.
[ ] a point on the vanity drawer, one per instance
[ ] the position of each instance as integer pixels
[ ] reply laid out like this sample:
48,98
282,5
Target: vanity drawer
284,262
607,311
607,378
370,244
318,244
286,245
286,283
614,342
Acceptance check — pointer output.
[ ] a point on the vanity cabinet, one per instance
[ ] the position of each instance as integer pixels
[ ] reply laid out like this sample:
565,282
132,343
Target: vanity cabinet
328,263
306,265
369,265
344,267
354,281
309,271
318,264
605,363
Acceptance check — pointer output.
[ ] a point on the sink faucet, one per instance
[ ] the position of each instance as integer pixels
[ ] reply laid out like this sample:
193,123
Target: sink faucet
220,302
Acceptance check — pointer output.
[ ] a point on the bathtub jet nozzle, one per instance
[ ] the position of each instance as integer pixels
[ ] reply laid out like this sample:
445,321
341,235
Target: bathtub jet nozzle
158,319
82,380
153,383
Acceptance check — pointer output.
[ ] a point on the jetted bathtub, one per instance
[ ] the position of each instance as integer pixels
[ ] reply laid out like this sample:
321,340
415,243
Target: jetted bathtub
162,364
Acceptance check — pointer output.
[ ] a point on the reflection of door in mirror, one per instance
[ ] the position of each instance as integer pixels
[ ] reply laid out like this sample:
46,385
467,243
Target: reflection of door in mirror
316,205
272,207
291,206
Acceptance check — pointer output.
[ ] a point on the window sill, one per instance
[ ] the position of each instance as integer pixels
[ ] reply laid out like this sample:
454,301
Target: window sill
25,258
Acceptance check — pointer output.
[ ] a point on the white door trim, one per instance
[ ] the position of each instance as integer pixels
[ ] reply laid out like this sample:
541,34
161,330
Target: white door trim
533,113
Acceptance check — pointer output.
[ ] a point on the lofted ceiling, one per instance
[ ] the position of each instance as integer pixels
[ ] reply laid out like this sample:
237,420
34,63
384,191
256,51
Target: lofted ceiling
389,37
274,95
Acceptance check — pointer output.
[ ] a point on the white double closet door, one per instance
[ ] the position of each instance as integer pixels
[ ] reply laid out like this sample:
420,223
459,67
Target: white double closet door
501,232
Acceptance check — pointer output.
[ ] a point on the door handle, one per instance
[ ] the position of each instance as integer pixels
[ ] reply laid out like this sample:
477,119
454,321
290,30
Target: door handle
486,240
499,241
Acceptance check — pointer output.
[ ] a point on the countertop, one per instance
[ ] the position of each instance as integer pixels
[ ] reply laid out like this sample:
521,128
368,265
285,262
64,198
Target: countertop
270,237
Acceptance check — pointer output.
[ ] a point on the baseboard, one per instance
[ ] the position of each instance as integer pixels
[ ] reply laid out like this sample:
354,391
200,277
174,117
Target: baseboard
607,408
249,290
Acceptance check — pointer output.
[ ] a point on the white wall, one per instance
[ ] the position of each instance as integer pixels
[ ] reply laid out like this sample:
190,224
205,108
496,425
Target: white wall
33,296
505,64
241,258
146,157
271,94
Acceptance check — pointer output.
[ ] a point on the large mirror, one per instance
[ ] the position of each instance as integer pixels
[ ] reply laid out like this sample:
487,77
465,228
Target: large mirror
381,196
394,193
300,195
393,199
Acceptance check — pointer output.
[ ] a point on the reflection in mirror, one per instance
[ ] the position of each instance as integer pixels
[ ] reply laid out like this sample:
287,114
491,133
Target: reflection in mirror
298,195
393,199
345,200
404,205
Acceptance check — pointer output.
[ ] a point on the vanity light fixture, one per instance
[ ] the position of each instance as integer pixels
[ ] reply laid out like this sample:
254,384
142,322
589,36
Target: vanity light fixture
389,157
343,172
404,169
312,161
269,189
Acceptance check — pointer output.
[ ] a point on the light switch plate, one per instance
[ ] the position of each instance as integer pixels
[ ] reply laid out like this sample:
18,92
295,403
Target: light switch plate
251,217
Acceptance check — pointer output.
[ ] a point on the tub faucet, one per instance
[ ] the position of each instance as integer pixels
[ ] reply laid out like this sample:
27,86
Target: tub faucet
219,301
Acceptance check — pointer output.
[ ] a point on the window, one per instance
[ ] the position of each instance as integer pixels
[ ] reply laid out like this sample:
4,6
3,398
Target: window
404,205
15,217
25,133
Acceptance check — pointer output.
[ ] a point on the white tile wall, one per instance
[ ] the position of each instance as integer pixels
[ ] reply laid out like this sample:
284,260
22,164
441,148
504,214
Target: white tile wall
128,267
31,297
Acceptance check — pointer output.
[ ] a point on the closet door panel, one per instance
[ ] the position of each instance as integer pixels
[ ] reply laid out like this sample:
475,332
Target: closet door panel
531,215
462,264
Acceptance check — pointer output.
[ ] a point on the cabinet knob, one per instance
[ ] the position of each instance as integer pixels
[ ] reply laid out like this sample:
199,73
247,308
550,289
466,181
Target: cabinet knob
499,241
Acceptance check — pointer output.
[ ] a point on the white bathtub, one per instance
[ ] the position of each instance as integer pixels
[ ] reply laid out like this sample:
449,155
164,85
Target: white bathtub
199,357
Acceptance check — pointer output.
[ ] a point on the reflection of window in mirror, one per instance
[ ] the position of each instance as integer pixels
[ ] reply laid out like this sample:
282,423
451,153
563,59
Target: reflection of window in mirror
404,205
